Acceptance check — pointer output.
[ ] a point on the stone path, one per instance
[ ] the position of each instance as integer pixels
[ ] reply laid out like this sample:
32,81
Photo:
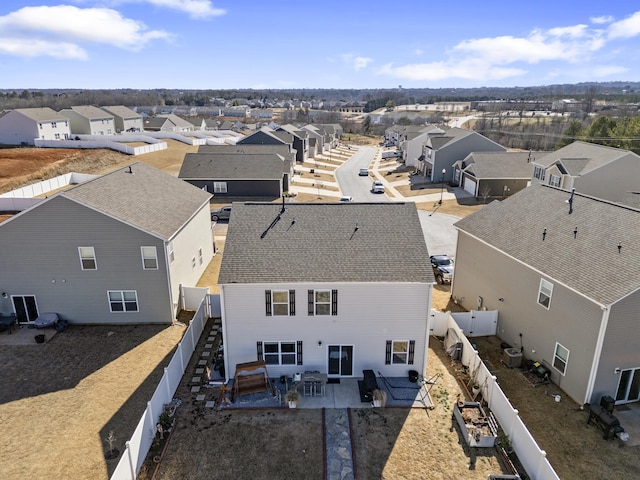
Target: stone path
338,444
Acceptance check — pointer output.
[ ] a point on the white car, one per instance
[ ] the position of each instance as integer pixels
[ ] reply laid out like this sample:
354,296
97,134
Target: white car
346,198
377,187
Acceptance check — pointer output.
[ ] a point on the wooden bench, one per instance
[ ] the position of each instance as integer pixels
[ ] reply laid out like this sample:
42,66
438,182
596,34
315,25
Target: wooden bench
252,383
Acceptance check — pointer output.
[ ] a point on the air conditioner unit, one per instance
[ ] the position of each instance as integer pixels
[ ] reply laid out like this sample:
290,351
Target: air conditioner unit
512,357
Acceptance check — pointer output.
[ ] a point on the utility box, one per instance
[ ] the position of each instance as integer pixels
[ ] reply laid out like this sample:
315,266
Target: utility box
512,357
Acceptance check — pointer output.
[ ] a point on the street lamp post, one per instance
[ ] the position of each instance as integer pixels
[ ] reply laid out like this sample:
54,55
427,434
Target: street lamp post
444,170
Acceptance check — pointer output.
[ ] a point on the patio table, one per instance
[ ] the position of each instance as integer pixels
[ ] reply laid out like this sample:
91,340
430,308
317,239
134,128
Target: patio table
8,321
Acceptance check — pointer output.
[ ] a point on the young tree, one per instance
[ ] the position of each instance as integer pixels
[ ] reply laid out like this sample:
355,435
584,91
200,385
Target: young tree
366,125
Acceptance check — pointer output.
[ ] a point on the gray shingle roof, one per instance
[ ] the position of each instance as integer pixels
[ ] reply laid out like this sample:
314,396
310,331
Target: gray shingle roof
334,242
90,112
589,263
149,199
232,166
44,114
121,111
488,165
586,157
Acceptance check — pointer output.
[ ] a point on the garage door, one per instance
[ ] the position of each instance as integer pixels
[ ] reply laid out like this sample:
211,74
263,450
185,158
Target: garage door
469,186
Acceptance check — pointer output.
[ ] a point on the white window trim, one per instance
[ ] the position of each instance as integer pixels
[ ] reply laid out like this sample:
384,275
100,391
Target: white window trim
394,352
154,258
293,354
559,358
316,303
123,302
545,286
171,253
555,180
93,257
219,187
274,303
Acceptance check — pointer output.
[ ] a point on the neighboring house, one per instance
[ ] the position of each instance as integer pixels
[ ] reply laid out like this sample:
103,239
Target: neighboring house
316,139
23,126
493,174
237,174
604,172
563,271
441,151
113,250
306,287
411,144
300,141
283,150
267,136
181,125
159,124
89,120
125,119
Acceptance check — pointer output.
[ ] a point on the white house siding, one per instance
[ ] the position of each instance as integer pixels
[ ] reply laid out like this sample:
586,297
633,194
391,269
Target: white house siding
40,257
17,129
194,236
572,320
368,316
620,348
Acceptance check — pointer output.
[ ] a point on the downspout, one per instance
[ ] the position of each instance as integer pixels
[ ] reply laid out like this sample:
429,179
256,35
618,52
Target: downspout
596,357
168,275
223,325
427,333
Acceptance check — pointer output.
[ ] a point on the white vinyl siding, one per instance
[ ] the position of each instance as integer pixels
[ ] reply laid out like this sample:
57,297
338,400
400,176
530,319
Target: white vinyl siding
149,258
123,301
87,258
544,293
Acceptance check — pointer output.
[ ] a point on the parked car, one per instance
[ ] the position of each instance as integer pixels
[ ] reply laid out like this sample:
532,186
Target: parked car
221,214
364,172
346,198
377,187
442,268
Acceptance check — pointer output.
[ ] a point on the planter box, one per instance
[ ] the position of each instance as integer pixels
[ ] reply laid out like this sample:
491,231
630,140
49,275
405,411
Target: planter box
477,429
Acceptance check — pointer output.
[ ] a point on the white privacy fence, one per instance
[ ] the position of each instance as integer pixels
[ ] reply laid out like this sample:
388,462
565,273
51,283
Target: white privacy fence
533,458
476,323
112,142
138,446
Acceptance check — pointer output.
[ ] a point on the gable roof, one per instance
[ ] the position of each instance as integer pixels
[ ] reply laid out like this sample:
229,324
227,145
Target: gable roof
89,111
44,114
232,166
332,242
515,226
147,198
121,111
489,165
582,157
263,136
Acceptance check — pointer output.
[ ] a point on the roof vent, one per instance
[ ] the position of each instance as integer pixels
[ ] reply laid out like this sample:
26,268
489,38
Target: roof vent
544,234
129,170
619,247
575,232
570,201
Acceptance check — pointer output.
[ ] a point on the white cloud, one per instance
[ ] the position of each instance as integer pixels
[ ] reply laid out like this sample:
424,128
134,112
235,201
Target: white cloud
355,62
602,20
195,8
627,28
59,31
497,58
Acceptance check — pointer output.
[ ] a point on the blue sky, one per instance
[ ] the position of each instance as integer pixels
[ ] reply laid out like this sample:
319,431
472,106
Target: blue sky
218,44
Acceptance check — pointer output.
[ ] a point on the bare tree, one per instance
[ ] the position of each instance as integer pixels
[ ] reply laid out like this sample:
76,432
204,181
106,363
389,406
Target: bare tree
485,192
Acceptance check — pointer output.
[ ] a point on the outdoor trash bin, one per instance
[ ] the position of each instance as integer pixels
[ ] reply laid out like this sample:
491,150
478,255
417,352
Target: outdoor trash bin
413,376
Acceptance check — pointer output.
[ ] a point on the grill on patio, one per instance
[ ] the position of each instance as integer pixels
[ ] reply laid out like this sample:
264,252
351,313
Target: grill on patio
602,416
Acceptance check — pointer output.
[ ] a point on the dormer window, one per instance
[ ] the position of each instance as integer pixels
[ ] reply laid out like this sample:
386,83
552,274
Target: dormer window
555,180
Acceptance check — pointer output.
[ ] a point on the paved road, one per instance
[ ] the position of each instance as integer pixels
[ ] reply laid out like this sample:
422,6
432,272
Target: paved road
354,185
439,234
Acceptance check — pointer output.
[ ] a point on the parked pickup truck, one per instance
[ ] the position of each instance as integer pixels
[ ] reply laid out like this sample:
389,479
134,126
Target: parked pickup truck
442,268
391,154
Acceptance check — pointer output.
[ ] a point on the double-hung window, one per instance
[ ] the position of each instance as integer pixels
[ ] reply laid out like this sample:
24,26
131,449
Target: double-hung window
554,180
400,352
323,302
279,353
539,173
149,258
87,258
219,187
280,302
544,293
560,358
123,300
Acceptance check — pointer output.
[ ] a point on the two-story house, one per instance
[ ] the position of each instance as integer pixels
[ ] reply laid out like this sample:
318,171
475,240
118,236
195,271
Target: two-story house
604,172
89,120
125,119
23,126
327,287
564,272
112,250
